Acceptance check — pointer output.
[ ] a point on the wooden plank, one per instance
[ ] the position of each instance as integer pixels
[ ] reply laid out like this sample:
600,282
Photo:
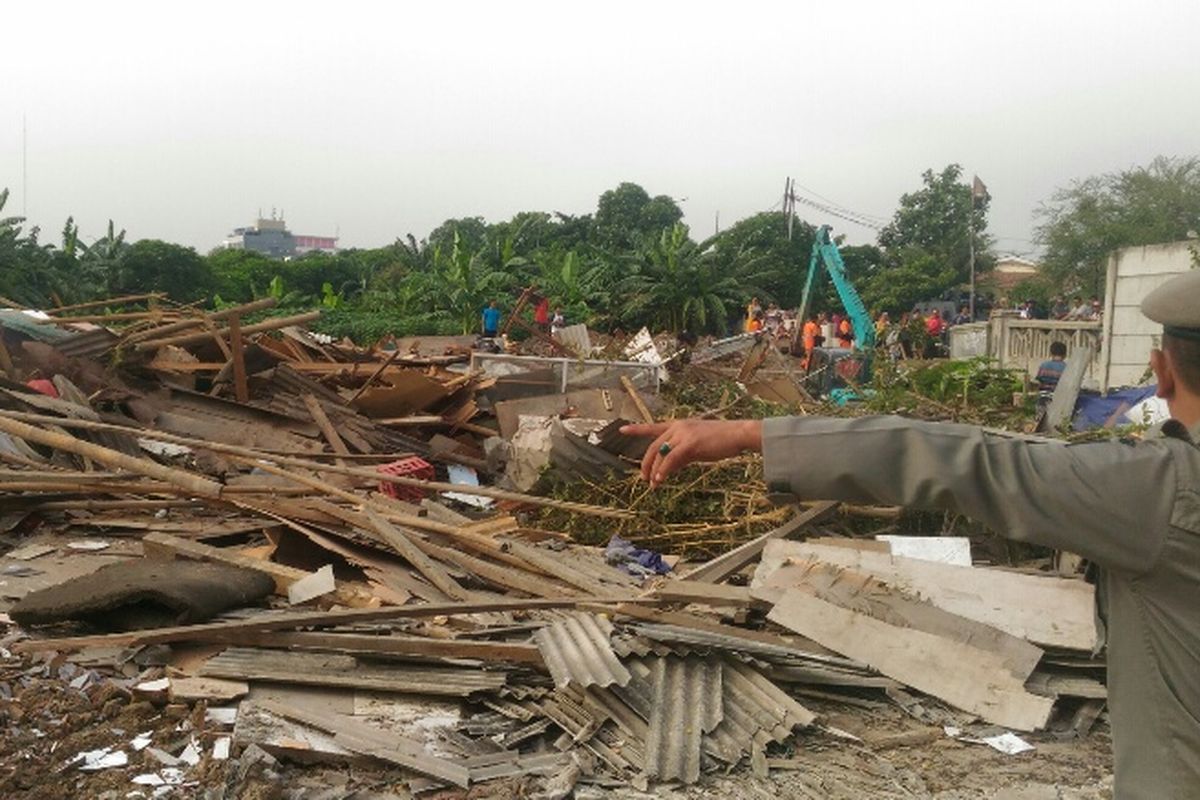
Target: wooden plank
1048,611
214,690
108,301
402,544
164,546
862,592
709,594
241,389
721,567
409,646
6,362
1062,402
327,430
370,740
317,619
632,391
969,678
343,671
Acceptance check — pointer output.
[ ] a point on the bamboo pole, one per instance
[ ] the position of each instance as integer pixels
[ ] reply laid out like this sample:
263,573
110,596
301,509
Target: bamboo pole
192,322
359,472
195,338
110,301
111,458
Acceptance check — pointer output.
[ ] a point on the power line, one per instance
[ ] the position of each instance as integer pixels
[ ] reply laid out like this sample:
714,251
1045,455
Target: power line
839,206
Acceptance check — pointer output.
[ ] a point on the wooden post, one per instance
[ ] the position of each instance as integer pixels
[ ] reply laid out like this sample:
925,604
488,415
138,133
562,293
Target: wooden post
632,391
240,388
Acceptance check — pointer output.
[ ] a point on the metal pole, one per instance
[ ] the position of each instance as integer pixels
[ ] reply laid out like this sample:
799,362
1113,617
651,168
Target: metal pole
971,239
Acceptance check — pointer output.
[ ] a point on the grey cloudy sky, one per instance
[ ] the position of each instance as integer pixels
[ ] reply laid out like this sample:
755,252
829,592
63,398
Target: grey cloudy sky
180,121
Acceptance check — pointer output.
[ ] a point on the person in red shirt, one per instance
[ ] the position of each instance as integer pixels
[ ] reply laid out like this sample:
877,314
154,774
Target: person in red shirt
934,324
541,314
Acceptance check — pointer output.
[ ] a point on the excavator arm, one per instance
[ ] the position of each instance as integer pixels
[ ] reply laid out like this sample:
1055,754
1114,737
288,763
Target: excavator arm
825,252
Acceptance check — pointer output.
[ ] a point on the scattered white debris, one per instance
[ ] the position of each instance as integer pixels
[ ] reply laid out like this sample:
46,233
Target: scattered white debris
160,685
80,681
220,751
141,741
165,449
312,586
942,549
88,545
1008,743
222,715
104,758
162,757
190,755
466,476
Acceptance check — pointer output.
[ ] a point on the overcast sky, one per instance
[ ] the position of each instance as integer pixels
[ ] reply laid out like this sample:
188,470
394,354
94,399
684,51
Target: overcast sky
181,121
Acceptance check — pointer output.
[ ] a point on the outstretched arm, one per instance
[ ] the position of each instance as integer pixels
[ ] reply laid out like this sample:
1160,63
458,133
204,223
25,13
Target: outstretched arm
685,441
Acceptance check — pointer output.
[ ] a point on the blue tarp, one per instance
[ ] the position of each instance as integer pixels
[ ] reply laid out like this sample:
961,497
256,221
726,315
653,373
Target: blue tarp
1093,410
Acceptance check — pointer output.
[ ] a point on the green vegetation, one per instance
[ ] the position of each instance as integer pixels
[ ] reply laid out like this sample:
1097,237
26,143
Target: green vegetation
631,263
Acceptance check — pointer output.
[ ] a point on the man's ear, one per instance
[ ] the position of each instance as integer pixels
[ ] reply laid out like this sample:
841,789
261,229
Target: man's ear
1164,373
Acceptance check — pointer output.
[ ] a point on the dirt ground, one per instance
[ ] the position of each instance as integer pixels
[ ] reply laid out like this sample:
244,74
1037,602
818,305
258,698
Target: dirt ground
44,723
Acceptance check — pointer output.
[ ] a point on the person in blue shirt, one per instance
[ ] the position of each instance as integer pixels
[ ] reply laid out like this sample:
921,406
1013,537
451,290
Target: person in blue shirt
491,320
1050,371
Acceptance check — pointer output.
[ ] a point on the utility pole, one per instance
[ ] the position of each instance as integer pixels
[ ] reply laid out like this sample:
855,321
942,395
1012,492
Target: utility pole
789,204
24,168
978,192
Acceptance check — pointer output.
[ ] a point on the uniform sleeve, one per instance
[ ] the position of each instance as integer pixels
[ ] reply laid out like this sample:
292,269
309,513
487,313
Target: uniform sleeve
1108,501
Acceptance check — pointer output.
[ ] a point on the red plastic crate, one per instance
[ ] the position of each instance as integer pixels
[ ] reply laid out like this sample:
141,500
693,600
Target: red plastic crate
411,467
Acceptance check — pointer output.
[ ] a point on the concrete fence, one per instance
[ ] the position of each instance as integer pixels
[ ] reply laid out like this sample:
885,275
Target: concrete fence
1024,343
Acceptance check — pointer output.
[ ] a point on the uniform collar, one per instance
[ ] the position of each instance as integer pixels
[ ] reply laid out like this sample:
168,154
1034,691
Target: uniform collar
1177,430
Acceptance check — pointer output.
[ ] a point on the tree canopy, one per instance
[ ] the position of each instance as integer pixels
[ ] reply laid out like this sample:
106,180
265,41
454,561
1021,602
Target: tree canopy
1083,222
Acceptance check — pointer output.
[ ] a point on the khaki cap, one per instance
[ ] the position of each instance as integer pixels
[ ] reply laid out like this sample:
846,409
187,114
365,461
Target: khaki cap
1176,304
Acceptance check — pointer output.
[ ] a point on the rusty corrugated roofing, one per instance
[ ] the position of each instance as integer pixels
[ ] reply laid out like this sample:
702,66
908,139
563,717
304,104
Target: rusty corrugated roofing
577,650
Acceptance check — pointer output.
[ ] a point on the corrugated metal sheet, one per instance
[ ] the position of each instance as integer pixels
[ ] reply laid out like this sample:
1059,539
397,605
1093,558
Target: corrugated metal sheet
724,347
27,325
752,709
87,343
686,703
740,644
577,650
755,709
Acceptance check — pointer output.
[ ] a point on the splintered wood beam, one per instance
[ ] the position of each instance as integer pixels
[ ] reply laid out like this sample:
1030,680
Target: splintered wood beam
241,389
327,430
431,570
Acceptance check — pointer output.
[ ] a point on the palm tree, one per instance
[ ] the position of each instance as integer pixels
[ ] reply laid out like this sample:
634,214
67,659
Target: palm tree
677,284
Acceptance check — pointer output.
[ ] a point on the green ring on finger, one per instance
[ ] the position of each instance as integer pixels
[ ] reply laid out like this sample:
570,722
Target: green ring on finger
664,448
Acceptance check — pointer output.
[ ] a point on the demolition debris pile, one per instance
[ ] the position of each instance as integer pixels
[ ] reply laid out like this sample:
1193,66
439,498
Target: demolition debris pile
234,547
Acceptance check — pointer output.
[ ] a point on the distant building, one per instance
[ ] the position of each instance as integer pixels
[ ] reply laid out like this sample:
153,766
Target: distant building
1008,273
272,238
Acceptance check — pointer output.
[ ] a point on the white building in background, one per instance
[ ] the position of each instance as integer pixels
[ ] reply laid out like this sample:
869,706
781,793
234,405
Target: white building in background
272,238
1128,337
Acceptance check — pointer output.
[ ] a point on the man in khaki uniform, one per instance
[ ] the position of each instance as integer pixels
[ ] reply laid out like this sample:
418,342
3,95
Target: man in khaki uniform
1133,509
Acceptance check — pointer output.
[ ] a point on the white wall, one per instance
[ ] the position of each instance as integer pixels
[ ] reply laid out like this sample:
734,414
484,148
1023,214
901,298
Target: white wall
1133,272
